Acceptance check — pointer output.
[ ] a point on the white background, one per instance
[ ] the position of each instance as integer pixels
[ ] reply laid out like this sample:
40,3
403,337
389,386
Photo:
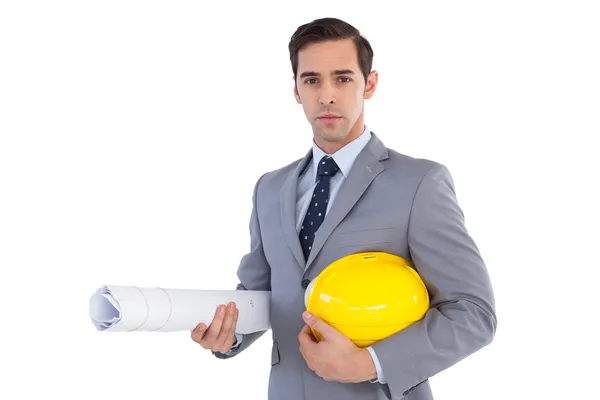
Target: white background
131,130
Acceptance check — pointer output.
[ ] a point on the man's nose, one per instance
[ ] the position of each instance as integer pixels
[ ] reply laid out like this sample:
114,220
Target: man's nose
327,96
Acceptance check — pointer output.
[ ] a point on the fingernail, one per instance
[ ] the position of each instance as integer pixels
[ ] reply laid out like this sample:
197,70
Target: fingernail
306,315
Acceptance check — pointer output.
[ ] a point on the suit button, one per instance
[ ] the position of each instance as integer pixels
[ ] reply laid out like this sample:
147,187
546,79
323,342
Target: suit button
305,283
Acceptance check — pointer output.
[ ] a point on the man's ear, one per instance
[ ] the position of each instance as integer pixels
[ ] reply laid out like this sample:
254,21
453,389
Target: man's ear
296,95
371,84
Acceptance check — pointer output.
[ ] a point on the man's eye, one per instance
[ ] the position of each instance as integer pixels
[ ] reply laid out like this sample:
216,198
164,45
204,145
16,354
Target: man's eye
345,80
310,81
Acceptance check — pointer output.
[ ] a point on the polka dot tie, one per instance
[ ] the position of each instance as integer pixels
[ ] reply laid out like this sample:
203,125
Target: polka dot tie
318,205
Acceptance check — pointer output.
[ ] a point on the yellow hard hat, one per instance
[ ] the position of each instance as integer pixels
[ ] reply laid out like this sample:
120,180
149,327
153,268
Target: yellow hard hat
368,296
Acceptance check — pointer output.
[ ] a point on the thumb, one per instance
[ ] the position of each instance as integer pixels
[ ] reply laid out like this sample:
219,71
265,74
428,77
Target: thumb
319,325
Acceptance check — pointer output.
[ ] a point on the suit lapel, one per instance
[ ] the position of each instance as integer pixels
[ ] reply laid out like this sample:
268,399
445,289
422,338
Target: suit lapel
288,209
364,170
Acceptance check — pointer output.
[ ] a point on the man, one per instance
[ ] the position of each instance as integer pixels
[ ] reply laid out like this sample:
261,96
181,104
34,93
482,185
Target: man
374,199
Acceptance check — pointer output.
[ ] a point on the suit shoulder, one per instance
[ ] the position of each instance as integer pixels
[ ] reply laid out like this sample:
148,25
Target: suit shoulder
418,166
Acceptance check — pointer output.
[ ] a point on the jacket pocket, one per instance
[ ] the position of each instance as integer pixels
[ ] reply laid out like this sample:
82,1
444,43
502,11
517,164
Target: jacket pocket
275,354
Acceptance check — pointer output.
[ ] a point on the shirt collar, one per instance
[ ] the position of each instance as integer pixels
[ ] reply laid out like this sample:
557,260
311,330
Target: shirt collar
344,157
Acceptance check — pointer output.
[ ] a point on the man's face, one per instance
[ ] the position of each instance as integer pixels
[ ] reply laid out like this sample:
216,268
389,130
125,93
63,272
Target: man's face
329,82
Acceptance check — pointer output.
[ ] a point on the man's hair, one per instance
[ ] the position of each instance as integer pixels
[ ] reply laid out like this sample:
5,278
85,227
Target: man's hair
326,29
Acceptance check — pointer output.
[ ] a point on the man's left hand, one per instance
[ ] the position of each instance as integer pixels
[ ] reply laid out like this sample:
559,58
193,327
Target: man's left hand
335,357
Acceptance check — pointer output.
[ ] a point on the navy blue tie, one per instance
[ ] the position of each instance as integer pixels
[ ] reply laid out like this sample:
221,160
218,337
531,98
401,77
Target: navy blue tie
318,204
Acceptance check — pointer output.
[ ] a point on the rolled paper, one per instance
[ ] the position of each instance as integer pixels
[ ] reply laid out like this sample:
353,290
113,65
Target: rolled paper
130,308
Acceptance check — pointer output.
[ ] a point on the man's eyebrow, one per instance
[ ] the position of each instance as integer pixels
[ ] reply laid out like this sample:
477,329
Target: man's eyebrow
335,72
343,72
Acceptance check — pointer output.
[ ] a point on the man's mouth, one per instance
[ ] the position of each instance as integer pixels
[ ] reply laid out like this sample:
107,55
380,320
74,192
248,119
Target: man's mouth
330,118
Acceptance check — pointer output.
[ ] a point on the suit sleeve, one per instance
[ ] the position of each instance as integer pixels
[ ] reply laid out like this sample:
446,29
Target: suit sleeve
462,317
254,273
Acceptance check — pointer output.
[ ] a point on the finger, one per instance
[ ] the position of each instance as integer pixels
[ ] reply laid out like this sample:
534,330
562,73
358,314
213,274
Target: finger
198,332
201,327
307,359
231,338
311,334
303,352
326,330
214,329
303,332
231,335
305,337
226,328
307,334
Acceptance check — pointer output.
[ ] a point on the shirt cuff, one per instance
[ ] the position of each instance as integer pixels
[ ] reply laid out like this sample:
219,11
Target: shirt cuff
238,341
380,377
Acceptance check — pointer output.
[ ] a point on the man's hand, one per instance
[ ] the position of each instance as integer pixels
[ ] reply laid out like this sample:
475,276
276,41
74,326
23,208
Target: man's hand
220,335
335,357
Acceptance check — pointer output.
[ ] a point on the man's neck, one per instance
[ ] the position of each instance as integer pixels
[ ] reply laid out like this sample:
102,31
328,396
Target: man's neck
332,147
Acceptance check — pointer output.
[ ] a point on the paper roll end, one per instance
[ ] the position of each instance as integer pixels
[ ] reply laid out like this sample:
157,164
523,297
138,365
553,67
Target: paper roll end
104,310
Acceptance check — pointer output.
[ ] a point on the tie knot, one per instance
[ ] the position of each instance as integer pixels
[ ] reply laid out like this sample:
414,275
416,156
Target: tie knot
327,167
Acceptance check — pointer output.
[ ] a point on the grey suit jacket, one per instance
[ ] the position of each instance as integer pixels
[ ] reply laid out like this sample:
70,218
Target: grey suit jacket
393,203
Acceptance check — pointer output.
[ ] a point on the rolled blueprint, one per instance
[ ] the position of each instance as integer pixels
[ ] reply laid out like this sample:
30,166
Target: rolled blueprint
131,308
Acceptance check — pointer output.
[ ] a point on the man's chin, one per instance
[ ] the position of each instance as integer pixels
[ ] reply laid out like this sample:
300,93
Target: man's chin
332,136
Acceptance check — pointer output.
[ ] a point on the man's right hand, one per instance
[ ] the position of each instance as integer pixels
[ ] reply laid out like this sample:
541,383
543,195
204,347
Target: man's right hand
220,335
